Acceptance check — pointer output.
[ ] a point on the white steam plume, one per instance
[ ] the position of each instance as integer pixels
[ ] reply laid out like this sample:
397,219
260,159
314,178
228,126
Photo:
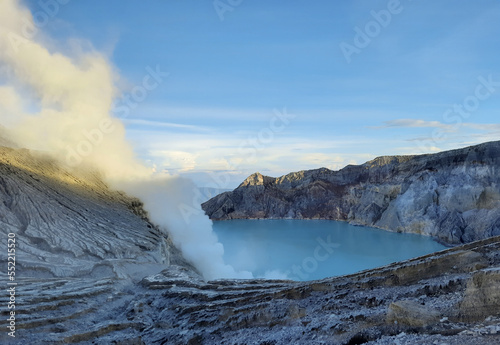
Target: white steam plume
62,103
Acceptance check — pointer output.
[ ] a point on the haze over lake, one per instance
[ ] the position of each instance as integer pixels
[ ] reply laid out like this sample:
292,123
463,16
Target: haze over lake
314,249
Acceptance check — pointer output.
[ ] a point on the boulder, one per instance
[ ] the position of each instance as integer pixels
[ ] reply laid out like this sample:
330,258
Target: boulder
482,296
411,313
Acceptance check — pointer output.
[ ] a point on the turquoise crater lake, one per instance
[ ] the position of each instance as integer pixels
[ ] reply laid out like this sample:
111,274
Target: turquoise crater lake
314,249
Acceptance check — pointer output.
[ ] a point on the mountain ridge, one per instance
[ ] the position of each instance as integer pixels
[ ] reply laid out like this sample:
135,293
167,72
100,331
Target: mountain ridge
453,195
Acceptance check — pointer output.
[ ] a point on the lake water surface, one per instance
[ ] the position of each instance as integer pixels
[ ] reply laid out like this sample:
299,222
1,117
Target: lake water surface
314,249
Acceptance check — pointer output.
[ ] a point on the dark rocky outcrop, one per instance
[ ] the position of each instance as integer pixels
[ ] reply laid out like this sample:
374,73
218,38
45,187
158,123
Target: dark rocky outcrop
453,196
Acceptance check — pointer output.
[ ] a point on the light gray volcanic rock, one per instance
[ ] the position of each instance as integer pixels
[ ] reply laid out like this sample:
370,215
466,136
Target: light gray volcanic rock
453,196
70,223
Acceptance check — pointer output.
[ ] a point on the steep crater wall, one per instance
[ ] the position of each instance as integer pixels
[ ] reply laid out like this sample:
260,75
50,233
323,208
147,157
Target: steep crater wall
453,196
69,223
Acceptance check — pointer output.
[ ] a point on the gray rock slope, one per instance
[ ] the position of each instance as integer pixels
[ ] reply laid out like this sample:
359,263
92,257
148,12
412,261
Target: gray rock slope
453,196
72,224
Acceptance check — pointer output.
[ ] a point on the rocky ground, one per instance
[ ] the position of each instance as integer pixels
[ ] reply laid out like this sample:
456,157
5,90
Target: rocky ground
452,297
453,196
91,269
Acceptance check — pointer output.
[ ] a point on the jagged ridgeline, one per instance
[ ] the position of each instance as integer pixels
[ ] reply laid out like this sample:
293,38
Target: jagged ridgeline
453,196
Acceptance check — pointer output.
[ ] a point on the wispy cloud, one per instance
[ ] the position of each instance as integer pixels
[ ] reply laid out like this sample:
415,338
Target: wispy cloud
175,161
487,127
203,113
199,152
411,123
162,124
416,123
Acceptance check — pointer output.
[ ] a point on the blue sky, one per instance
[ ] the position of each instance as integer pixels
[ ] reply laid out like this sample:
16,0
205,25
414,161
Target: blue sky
425,79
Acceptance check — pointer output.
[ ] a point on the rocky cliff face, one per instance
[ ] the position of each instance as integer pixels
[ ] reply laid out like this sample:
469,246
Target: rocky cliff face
453,196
